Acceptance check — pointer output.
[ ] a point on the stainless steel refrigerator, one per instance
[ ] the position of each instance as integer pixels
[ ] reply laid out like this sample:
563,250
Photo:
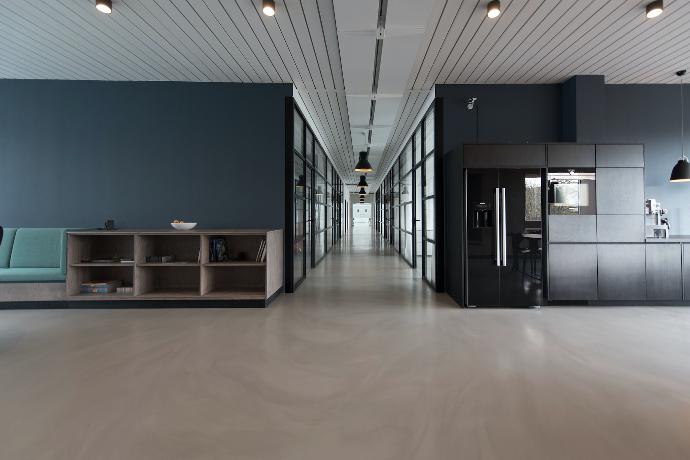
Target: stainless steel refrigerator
503,241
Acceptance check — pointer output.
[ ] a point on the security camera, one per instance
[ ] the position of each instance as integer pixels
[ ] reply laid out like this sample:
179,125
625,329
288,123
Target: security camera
470,103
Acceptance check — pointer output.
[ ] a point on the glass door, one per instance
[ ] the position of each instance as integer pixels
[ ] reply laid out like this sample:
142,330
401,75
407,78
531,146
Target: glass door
521,272
483,287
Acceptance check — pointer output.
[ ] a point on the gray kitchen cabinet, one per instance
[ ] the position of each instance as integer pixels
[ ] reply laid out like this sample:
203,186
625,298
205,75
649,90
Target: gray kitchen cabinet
620,228
620,191
504,156
664,273
571,156
572,229
621,273
620,156
572,271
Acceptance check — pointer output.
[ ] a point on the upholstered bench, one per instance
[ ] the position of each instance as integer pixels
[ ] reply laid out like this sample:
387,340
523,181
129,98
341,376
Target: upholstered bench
33,264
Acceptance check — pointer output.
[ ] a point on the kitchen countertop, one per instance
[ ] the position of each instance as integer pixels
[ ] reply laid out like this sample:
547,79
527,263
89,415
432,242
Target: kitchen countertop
670,239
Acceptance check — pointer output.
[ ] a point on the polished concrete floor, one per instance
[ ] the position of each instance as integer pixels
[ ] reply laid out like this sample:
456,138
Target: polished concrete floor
364,362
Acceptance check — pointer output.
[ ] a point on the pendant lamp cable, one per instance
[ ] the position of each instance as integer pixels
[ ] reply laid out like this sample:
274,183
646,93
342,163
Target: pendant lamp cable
681,74
682,120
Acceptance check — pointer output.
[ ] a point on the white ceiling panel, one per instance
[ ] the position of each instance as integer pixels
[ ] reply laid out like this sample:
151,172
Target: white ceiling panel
397,62
386,110
356,15
359,111
357,56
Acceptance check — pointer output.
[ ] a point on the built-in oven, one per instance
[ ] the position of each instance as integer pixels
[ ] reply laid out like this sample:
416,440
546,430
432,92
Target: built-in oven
572,191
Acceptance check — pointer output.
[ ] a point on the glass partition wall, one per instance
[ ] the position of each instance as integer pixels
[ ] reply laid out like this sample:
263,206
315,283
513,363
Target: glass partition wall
408,201
314,222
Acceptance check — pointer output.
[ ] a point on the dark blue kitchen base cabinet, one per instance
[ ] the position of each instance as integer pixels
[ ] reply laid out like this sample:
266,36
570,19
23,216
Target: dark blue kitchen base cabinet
657,271
621,269
573,272
664,271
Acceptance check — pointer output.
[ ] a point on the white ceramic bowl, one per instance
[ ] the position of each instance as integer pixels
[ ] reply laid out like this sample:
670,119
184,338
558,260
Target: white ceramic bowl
184,226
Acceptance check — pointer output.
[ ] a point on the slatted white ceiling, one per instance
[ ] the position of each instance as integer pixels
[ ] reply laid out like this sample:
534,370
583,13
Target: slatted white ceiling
542,41
532,41
187,40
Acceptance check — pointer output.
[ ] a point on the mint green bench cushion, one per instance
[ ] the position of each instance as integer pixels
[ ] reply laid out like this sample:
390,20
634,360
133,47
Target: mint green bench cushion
38,248
33,275
6,246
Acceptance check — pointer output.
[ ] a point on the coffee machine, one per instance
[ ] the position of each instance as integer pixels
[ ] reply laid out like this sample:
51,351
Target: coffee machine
656,224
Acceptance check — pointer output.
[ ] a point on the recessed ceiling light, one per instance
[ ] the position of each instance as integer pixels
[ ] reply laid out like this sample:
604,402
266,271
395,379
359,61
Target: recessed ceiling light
655,9
269,7
493,9
104,6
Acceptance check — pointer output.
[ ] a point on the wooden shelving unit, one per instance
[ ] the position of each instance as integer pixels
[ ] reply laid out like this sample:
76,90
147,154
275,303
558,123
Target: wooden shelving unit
190,276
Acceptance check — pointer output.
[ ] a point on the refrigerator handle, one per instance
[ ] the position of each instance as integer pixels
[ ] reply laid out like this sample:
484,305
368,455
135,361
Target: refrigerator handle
504,235
497,224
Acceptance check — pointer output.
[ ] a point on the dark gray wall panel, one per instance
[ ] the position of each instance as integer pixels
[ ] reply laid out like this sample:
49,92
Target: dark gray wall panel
620,228
454,212
620,191
504,156
571,156
620,156
572,229
77,152
573,272
508,114
686,271
621,271
664,276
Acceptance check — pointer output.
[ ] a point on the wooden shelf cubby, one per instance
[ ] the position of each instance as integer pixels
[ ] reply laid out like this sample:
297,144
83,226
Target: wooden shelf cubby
189,276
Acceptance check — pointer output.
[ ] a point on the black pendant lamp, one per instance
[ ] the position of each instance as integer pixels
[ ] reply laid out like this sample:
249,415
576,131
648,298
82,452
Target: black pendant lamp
362,192
301,182
363,164
362,181
681,171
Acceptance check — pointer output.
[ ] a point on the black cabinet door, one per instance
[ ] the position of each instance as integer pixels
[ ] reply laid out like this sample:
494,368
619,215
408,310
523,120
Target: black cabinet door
621,271
573,271
521,272
482,265
664,271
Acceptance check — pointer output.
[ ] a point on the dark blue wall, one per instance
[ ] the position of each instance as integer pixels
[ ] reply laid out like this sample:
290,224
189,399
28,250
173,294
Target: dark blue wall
73,153
650,115
586,110
507,114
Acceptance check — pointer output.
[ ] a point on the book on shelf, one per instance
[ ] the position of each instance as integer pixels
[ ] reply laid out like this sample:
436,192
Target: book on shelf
160,259
109,260
99,287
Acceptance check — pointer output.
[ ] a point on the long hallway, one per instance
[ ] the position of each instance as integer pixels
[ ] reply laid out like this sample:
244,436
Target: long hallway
363,362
